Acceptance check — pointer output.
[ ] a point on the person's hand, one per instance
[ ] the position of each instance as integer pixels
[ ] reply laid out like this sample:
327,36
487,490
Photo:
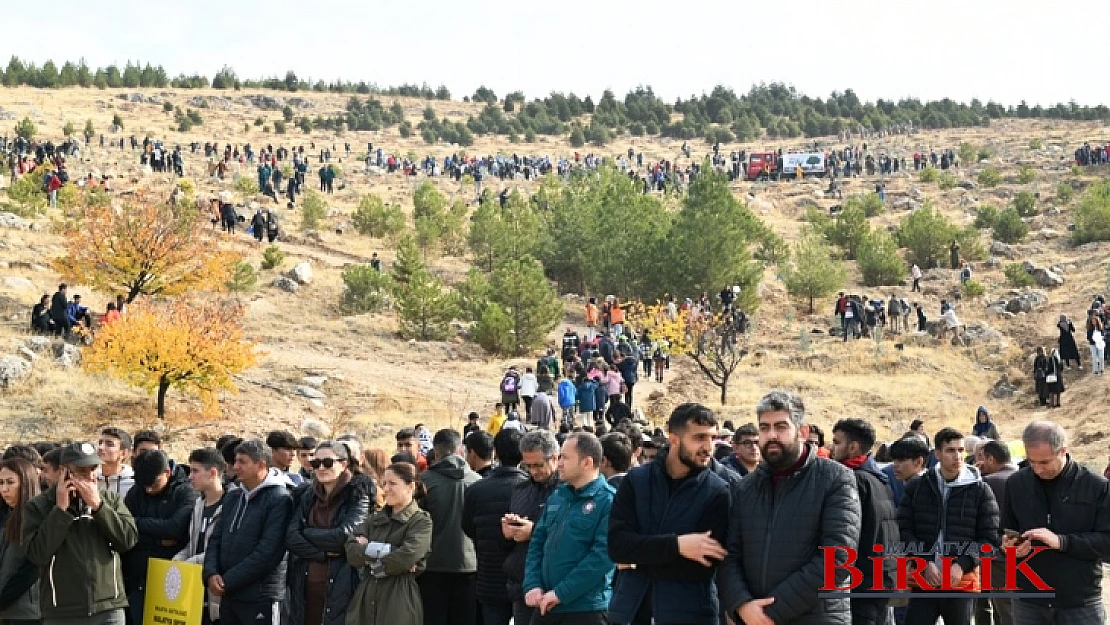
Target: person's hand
63,494
507,528
1045,535
932,575
955,573
701,548
1022,546
751,613
532,598
88,492
548,602
216,585
361,540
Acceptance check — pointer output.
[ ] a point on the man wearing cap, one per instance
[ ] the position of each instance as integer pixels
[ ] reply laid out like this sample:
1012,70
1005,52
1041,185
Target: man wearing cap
74,534
162,504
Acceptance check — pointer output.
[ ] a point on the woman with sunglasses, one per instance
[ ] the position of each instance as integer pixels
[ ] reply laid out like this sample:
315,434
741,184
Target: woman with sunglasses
18,599
329,508
390,549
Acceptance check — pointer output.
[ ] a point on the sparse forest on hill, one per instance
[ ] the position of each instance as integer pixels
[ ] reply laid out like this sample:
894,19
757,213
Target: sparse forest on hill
467,286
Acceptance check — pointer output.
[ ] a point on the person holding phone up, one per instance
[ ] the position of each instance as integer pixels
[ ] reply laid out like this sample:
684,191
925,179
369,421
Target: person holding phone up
74,533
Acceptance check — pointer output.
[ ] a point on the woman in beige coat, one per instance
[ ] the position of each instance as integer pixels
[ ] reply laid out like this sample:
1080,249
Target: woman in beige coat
389,550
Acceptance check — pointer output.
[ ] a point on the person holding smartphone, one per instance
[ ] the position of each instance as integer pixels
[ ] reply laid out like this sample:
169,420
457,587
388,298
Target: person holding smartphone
74,533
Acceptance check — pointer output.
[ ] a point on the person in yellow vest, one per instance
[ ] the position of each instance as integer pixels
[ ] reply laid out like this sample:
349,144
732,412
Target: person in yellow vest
496,420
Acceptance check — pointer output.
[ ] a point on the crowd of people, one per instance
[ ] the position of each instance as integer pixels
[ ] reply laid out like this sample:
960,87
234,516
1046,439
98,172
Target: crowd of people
699,523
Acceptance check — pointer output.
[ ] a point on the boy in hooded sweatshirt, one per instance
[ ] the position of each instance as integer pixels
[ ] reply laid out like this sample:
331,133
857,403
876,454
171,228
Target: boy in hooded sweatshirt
948,505
114,448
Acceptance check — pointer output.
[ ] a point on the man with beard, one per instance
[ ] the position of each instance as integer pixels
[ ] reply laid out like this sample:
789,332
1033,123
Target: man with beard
667,528
851,446
793,504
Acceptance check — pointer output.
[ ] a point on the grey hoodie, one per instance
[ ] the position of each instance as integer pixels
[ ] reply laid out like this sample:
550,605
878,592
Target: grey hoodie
968,475
119,483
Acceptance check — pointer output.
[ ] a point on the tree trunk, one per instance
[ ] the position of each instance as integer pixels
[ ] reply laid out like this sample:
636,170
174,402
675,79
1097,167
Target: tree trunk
811,305
724,391
163,386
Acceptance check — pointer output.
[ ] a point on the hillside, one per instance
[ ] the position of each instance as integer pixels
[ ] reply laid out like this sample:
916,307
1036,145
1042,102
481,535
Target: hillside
378,382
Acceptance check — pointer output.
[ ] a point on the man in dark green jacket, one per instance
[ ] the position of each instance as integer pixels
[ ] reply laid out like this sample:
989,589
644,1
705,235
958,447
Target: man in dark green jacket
74,533
568,572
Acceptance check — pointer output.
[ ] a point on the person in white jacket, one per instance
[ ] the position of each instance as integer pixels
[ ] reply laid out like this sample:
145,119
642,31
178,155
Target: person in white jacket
206,469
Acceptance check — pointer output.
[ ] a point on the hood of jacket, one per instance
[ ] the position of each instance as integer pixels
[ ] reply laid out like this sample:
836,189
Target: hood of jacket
119,483
873,468
968,475
452,467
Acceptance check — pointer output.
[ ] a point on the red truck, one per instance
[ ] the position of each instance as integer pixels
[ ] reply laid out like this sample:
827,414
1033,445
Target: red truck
762,165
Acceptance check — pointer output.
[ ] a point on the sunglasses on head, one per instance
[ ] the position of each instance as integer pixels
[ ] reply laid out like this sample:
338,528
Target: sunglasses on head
327,463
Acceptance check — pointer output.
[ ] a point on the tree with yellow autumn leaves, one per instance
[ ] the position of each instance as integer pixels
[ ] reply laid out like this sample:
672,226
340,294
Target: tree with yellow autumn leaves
144,248
193,345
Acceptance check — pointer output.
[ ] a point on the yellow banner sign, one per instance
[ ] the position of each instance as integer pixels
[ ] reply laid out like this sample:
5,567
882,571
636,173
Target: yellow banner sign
174,593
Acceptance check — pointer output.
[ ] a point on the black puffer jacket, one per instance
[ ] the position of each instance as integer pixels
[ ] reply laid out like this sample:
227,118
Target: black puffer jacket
310,544
247,547
1079,514
528,500
969,514
163,524
774,535
485,503
879,522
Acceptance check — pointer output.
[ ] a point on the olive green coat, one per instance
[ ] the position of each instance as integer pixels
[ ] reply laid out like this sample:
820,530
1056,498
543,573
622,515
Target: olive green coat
394,599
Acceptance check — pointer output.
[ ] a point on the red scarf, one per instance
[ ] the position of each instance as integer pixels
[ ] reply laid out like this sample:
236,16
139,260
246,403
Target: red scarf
855,463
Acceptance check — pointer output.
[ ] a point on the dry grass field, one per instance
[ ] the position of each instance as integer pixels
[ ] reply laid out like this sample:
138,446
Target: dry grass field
378,382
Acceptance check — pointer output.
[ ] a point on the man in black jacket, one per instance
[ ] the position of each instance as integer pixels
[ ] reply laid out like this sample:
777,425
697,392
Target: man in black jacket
1057,503
851,446
162,505
948,507
245,559
793,504
994,462
667,528
59,311
540,454
485,503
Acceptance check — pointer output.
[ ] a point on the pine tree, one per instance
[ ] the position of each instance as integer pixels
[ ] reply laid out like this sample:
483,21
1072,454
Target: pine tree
375,218
533,307
486,234
708,247
813,273
408,262
879,261
424,307
849,230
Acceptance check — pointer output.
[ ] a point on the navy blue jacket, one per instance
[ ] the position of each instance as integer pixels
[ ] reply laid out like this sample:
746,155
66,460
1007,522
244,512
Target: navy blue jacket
648,515
247,547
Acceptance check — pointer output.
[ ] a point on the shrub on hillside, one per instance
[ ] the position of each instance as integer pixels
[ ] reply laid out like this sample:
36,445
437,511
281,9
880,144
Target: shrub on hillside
946,181
879,261
990,177
986,216
1064,192
1017,276
243,278
985,153
117,121
1035,144
929,174
973,289
1025,203
375,218
1026,174
1009,228
868,202
272,257
313,211
246,186
967,153
577,137
365,289
1092,215
279,126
